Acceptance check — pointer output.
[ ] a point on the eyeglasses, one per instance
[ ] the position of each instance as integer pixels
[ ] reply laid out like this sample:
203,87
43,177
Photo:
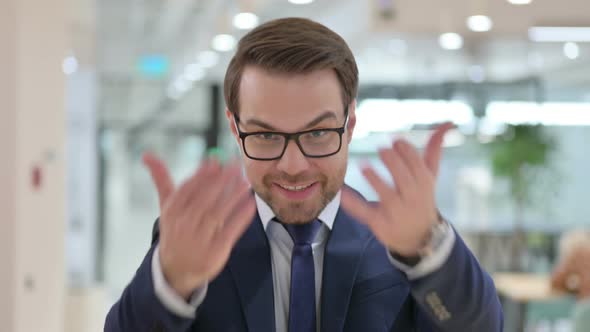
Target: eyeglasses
271,145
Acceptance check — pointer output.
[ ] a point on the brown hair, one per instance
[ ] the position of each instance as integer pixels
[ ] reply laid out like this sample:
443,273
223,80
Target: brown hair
292,46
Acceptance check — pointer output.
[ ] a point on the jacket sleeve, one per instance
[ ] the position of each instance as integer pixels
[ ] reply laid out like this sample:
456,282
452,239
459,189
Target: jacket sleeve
139,309
459,296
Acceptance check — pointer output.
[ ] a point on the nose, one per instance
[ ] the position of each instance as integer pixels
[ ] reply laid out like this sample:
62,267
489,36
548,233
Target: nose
293,161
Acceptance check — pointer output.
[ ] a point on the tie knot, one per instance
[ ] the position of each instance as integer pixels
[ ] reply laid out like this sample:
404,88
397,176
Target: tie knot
303,233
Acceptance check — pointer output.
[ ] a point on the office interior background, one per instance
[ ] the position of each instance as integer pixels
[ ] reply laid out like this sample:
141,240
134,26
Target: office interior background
88,86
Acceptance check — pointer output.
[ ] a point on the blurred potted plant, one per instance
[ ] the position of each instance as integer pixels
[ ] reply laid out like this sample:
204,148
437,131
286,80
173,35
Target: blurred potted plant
519,156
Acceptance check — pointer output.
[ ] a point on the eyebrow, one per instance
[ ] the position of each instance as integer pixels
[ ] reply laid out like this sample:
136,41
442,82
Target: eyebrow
317,120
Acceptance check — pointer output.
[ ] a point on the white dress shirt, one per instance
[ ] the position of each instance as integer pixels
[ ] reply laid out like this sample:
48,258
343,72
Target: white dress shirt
281,246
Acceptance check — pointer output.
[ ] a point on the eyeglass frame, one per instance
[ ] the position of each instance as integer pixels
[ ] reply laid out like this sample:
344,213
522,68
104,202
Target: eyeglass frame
290,136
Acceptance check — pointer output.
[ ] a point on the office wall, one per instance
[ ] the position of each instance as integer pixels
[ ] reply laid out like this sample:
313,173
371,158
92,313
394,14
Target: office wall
32,178
7,162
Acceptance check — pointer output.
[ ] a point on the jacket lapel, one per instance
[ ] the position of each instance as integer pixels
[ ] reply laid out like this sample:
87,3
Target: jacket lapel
250,265
343,253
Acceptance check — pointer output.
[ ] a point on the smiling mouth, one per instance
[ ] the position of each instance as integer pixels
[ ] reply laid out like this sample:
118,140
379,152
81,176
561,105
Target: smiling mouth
295,188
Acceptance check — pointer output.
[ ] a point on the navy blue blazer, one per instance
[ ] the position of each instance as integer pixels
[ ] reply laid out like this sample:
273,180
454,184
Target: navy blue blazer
361,291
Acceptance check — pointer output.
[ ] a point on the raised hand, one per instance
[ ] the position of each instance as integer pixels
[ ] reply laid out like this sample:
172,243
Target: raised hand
407,210
572,274
200,221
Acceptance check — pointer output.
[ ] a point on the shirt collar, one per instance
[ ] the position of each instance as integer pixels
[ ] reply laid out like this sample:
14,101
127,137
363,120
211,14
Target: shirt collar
327,216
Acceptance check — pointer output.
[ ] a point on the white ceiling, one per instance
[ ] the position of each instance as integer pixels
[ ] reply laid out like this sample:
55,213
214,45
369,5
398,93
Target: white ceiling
179,29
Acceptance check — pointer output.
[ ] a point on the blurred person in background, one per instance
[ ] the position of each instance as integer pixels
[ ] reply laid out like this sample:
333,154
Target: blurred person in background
292,248
572,274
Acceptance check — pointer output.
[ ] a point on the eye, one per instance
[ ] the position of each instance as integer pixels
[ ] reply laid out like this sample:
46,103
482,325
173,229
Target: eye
317,133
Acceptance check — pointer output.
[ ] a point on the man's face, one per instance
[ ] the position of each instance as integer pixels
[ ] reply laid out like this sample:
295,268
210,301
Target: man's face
296,187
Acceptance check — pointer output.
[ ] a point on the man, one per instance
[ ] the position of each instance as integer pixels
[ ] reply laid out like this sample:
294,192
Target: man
305,253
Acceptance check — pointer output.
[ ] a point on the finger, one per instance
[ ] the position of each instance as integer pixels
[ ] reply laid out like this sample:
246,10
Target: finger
219,187
357,207
231,182
205,213
160,176
558,279
385,191
209,171
433,149
414,162
562,271
240,191
237,223
364,212
395,164
181,200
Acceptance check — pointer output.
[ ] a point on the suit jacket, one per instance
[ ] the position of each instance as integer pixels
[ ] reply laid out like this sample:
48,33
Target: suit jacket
361,291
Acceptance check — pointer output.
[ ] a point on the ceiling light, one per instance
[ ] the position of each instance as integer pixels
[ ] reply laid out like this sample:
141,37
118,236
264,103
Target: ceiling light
178,87
153,65
450,41
300,2
548,114
194,72
173,93
571,50
559,34
223,43
182,85
390,115
479,23
208,59
520,2
488,128
70,65
245,21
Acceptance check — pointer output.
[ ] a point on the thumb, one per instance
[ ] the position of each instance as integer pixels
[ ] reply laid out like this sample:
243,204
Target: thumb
433,149
160,176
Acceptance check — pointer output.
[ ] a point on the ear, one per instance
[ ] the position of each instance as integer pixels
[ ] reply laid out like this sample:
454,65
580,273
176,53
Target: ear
351,120
232,124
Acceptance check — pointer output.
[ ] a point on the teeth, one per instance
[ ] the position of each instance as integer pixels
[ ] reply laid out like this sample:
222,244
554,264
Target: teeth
295,188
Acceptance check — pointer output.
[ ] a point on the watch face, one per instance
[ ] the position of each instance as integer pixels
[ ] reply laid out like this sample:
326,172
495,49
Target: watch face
435,239
437,235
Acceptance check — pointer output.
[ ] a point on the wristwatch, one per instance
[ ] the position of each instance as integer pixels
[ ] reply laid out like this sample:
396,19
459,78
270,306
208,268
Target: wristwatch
432,242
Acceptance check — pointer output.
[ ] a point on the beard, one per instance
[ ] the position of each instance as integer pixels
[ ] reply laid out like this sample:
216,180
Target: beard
308,210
